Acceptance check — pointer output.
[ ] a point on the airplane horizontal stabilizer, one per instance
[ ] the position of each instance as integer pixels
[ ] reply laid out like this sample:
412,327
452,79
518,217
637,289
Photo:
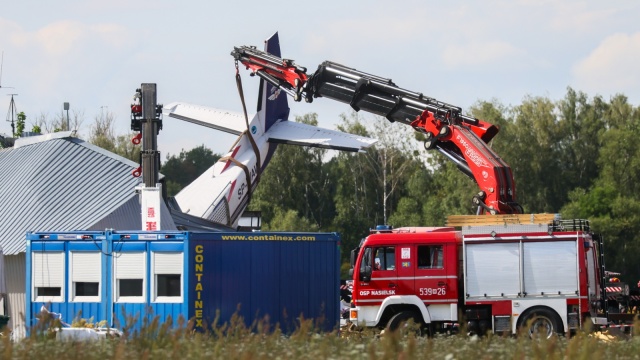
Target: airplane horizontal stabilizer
288,132
223,120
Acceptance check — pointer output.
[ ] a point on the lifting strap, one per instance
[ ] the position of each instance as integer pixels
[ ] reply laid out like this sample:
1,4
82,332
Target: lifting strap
246,120
247,132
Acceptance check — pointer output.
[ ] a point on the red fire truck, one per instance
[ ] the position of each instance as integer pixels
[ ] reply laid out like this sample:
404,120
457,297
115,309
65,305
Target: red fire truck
535,278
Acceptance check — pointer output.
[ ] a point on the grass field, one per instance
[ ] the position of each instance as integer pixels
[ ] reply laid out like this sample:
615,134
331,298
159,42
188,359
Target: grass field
236,341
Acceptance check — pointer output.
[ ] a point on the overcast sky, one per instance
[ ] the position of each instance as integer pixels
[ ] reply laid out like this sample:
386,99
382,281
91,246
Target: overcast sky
94,54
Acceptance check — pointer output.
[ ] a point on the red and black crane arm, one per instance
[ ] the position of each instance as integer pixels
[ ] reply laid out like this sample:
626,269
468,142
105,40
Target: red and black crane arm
461,138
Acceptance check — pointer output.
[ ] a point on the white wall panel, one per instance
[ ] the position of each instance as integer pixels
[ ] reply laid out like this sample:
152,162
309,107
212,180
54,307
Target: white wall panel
15,266
550,267
493,269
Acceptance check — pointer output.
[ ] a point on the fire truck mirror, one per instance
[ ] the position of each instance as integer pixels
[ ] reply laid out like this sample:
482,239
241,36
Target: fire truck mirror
351,273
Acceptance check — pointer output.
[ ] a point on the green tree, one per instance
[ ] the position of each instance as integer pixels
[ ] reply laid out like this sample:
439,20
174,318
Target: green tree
184,168
20,123
102,131
411,210
539,185
60,122
357,196
391,160
450,192
377,177
102,134
288,220
436,188
617,218
379,186
582,124
296,179
565,137
612,203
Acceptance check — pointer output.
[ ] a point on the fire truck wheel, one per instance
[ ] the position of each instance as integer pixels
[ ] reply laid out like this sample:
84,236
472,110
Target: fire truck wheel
540,322
401,321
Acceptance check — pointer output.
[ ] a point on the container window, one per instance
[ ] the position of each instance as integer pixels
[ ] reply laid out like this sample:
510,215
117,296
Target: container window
48,276
168,284
87,289
48,291
129,276
85,269
130,287
167,274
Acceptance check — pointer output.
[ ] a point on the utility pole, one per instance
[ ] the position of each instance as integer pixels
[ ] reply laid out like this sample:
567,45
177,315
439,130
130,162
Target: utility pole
66,107
13,111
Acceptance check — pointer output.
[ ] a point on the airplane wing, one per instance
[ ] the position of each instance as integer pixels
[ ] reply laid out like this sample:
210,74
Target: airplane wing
288,132
223,120
282,132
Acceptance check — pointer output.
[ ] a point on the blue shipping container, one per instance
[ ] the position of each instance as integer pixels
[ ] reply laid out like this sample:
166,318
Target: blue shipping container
128,278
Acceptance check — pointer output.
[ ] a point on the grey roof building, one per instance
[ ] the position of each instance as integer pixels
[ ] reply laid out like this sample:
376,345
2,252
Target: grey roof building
56,182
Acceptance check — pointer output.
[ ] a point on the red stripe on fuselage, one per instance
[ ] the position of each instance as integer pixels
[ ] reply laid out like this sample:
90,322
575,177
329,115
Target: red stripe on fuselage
233,186
233,155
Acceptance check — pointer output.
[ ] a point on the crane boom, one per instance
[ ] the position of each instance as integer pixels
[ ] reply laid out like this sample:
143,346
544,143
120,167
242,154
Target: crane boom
461,138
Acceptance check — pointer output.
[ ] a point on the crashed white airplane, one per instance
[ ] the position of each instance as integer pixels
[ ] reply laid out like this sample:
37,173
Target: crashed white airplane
222,193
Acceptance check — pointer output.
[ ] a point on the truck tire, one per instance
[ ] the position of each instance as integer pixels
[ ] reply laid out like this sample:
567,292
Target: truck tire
540,322
400,320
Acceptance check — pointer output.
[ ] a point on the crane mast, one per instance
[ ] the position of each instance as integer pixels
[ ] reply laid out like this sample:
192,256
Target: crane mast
461,138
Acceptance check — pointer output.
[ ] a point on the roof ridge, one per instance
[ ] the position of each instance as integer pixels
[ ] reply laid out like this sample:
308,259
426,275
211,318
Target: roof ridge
30,140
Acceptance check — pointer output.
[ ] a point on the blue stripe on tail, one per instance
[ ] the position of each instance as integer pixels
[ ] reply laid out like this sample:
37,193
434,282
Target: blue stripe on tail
277,106
275,101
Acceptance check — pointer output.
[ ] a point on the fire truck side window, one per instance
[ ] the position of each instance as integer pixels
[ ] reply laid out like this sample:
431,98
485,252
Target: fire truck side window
385,258
430,257
366,260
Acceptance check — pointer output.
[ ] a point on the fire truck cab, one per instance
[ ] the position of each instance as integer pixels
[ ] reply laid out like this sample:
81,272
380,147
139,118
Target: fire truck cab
504,278
408,271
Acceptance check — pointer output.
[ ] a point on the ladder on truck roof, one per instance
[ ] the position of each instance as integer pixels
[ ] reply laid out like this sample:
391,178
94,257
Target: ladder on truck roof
515,223
503,223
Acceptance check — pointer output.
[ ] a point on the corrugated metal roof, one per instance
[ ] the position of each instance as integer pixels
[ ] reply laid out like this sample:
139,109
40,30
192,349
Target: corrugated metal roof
62,184
127,217
193,223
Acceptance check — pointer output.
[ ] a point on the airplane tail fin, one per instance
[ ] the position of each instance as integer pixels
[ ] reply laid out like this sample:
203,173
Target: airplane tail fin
271,100
273,105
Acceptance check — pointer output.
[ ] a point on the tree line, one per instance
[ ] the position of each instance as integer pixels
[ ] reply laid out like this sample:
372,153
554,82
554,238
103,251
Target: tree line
578,156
